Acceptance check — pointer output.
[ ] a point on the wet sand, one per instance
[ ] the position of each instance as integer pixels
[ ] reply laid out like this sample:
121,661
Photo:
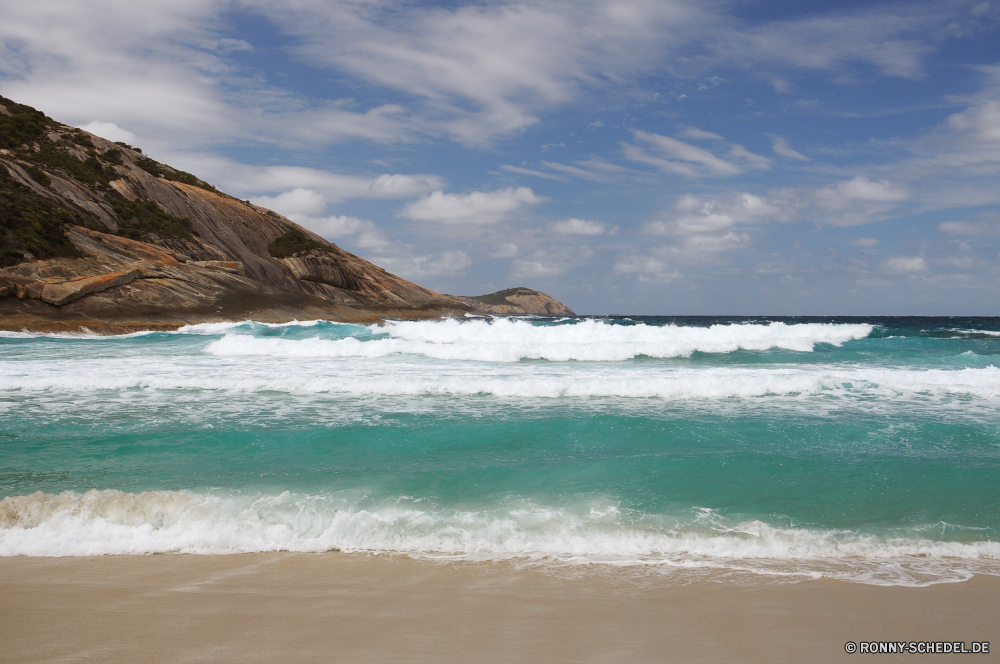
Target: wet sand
356,608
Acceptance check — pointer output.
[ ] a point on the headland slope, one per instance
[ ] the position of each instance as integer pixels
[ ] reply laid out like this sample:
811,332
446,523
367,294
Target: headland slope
95,234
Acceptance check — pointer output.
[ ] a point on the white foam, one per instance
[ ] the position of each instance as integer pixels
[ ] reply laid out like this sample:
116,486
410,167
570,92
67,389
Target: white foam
113,522
507,340
220,328
987,333
843,385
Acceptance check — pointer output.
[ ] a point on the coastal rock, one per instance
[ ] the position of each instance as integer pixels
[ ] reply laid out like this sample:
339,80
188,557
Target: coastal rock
103,212
516,302
321,267
229,266
67,291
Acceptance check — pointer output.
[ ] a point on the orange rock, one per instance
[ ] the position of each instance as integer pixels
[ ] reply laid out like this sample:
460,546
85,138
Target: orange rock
144,251
67,291
34,290
235,267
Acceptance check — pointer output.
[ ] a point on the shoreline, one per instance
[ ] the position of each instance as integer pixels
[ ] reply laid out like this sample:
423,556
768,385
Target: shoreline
293,607
13,322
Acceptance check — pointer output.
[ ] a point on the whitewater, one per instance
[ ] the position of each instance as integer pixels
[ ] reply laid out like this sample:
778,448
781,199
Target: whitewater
858,449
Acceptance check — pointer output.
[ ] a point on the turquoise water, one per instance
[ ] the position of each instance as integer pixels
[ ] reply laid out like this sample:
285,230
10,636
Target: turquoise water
860,449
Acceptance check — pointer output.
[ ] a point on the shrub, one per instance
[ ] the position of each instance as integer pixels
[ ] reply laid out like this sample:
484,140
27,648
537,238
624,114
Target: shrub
89,172
157,169
23,125
126,145
81,139
139,219
500,297
33,223
295,242
38,175
10,257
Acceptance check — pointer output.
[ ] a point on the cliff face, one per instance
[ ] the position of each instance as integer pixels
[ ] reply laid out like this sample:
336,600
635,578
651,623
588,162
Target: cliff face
516,302
94,233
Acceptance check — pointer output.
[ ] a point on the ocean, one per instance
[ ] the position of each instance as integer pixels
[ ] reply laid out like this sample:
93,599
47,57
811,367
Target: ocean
860,449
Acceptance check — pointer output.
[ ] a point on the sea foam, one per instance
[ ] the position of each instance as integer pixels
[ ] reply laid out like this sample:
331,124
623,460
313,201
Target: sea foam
595,532
506,340
359,377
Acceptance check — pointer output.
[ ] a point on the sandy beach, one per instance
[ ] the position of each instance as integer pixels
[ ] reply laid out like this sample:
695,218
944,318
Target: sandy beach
358,608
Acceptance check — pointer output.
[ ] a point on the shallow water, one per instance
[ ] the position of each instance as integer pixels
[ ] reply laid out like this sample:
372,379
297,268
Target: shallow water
861,449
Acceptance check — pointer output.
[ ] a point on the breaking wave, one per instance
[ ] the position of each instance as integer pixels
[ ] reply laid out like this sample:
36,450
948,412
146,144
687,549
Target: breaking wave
513,340
674,384
599,532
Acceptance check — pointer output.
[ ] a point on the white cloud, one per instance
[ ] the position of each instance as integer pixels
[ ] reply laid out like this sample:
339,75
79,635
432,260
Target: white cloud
416,268
575,226
780,85
483,70
505,250
594,169
904,265
853,202
677,157
477,207
402,186
472,72
866,242
528,171
697,216
859,200
550,261
967,142
110,131
984,224
358,233
263,182
894,39
699,231
293,203
775,267
780,146
647,269
303,205
696,134
861,188
705,225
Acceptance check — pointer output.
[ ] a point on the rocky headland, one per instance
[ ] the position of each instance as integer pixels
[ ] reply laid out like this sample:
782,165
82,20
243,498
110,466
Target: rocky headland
95,234
516,302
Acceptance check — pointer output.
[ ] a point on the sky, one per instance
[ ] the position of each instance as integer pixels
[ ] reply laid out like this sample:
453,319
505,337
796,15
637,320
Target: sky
626,157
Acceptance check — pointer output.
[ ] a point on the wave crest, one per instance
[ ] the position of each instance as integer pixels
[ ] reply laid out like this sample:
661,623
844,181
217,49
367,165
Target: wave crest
506,340
115,522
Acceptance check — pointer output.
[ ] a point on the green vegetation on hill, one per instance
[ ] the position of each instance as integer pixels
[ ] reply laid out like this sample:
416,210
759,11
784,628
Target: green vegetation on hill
93,171
24,124
139,219
33,223
294,242
38,175
500,297
168,173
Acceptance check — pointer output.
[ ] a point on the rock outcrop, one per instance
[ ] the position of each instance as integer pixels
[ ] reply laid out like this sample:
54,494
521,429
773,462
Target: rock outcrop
95,234
516,302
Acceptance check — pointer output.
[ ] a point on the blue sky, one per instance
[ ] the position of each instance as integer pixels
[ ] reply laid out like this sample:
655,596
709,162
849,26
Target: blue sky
626,157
